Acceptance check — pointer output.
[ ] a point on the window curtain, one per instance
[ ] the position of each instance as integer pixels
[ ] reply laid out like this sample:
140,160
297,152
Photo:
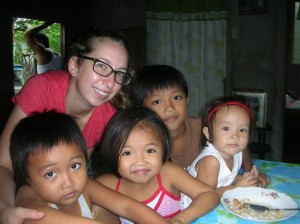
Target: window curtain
190,35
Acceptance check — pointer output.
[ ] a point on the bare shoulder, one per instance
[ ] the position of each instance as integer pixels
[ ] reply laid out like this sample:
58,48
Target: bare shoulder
171,174
208,161
26,190
195,123
194,129
170,168
109,180
27,196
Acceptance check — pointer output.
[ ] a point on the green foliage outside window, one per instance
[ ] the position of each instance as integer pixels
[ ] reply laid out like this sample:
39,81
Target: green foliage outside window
20,46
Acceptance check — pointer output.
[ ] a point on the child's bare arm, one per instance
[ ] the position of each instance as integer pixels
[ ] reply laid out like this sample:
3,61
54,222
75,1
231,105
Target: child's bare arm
27,198
103,215
263,180
247,180
123,205
254,171
207,170
203,196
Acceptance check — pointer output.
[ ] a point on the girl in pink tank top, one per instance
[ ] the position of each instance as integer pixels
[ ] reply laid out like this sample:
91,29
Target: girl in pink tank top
136,148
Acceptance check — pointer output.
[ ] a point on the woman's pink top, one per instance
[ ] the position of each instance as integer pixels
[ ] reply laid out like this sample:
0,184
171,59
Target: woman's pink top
47,91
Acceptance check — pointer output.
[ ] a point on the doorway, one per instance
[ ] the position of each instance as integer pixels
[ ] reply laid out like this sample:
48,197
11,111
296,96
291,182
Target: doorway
24,62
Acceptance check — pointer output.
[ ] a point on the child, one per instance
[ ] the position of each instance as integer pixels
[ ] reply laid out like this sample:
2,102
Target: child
228,123
136,146
49,158
164,89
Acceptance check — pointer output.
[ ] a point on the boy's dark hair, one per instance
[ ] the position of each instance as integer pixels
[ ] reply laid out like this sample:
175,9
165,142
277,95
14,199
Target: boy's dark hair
156,77
120,127
213,106
39,133
42,39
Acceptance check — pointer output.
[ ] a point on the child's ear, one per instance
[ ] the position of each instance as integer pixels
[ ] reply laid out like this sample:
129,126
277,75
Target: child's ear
187,100
205,132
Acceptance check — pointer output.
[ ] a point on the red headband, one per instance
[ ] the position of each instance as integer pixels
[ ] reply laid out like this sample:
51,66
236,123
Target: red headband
227,104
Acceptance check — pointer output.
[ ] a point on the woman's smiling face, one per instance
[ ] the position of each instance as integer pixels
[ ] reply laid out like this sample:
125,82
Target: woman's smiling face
92,87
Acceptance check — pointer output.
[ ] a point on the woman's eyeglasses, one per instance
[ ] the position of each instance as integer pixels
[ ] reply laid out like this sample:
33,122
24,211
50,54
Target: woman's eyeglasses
105,70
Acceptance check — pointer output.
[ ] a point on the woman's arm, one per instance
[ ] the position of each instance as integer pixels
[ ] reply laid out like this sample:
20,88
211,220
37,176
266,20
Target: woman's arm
122,205
7,195
15,116
8,213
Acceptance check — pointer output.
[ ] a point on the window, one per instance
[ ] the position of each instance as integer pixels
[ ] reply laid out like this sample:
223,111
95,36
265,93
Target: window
23,57
296,35
293,46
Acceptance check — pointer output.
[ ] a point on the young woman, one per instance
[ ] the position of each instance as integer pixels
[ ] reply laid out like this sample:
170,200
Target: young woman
98,67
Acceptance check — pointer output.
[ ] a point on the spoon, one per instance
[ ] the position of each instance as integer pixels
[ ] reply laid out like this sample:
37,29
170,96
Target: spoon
261,208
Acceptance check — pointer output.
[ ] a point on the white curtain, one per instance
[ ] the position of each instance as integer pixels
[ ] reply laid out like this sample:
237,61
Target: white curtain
195,44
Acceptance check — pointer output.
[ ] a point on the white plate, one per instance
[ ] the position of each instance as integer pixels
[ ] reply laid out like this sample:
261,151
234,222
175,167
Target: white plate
261,196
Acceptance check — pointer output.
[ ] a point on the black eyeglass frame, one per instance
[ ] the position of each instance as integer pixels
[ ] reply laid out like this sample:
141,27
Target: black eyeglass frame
126,76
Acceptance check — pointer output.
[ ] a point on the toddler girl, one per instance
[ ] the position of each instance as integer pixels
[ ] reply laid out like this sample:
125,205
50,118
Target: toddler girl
227,124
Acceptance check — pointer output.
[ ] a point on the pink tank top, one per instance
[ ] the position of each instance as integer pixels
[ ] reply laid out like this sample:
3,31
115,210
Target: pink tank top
162,201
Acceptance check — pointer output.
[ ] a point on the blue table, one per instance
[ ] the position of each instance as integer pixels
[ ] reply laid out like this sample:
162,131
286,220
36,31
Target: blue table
285,178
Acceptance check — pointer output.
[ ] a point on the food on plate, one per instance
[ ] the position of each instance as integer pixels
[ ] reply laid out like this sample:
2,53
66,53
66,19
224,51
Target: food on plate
238,204
241,207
